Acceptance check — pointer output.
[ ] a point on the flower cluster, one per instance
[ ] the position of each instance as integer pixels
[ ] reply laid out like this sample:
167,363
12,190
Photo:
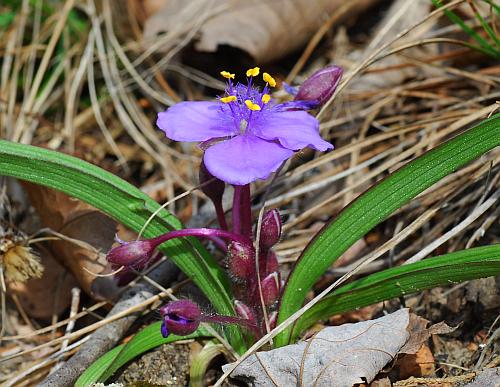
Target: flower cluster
246,136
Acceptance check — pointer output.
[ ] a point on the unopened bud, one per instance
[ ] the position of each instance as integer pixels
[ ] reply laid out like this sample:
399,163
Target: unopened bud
270,288
215,188
244,311
180,318
240,260
270,231
272,263
134,254
320,86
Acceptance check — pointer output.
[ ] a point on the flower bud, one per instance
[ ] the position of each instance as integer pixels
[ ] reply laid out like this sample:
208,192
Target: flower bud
135,253
270,288
320,86
270,231
180,318
244,311
272,263
240,260
215,189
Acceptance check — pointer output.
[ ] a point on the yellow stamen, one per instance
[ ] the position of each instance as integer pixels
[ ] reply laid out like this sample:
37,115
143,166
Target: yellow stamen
266,98
229,98
251,105
269,79
253,72
227,74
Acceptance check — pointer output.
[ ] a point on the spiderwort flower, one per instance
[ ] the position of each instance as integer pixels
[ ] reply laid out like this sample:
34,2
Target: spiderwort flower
246,135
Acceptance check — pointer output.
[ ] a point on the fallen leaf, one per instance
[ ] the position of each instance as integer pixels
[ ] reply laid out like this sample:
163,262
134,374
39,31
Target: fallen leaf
341,356
418,364
419,333
46,296
88,233
266,30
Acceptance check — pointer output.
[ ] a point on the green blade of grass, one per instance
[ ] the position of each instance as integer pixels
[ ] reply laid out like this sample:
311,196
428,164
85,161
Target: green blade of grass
443,270
149,338
488,30
484,44
375,205
126,204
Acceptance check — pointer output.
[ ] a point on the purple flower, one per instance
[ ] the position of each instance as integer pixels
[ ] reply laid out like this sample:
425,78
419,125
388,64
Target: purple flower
180,318
247,136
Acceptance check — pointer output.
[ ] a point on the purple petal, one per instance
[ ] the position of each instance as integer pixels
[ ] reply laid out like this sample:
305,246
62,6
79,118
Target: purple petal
293,129
164,330
244,159
193,121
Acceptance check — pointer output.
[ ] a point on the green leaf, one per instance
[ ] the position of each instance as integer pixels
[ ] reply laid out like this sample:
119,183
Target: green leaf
128,205
375,205
443,270
147,339
485,46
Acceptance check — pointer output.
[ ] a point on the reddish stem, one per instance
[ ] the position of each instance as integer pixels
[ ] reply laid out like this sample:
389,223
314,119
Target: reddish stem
209,233
221,217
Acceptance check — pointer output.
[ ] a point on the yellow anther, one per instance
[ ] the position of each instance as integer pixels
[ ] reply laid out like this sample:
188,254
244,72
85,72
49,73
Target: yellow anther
227,74
253,72
251,105
266,98
229,98
270,80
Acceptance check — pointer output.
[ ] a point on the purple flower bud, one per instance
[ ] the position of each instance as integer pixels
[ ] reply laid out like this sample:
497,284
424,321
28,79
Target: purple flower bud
272,263
270,231
320,86
270,288
135,253
180,318
241,260
244,311
215,189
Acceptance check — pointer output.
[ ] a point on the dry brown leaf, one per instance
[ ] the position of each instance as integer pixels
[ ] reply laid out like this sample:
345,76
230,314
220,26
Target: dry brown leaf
418,364
90,231
266,30
46,296
419,333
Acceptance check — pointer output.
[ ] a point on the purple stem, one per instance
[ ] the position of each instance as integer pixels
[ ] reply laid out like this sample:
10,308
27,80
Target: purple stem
221,217
209,233
246,211
236,209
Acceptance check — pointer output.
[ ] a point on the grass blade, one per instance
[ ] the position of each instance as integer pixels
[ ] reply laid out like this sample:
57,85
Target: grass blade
443,270
147,339
377,204
129,206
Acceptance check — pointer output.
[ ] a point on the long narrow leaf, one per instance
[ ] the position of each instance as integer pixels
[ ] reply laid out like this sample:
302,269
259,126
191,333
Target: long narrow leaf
443,270
147,339
484,45
128,205
377,204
